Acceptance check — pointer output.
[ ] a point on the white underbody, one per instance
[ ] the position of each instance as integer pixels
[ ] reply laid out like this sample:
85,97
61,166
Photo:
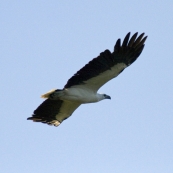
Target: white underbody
74,94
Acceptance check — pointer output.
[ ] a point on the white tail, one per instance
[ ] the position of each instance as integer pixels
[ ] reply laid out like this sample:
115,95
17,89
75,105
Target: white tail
53,94
45,96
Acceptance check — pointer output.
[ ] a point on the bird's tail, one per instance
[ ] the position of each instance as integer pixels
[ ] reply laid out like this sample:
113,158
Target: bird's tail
53,94
45,96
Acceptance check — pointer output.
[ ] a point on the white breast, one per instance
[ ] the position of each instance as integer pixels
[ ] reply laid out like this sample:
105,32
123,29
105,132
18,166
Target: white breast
80,95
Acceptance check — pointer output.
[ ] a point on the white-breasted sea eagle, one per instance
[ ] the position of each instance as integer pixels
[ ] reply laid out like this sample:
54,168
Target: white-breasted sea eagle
82,87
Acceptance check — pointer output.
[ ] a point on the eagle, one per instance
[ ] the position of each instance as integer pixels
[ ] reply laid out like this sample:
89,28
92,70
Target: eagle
82,87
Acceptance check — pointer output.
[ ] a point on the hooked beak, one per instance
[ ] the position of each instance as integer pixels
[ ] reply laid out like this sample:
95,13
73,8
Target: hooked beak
107,97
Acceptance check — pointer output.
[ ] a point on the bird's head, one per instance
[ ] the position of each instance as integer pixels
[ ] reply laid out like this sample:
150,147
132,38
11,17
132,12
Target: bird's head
106,96
103,96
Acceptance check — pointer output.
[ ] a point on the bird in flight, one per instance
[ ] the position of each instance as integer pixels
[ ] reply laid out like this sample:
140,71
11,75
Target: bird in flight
82,87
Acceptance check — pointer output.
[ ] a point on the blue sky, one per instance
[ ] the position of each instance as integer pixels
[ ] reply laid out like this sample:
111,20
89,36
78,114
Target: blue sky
43,43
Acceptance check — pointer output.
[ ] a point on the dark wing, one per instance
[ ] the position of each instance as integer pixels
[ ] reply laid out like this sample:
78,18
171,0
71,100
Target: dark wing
108,65
53,112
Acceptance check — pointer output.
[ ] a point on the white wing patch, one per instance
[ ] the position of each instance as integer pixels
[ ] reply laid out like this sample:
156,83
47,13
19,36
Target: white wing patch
67,108
96,82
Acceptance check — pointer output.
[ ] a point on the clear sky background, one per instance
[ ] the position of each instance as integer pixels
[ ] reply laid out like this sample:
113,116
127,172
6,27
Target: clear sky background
43,43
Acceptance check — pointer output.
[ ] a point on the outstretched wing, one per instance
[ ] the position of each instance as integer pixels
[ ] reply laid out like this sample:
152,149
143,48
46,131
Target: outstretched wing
108,65
53,112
